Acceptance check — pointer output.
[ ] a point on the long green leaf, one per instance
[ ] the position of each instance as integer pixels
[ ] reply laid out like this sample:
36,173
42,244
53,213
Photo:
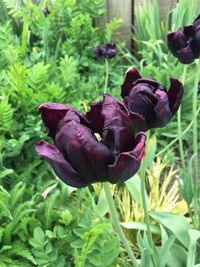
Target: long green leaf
177,224
194,236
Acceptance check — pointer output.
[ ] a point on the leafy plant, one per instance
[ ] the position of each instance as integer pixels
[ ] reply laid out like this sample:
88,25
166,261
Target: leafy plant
103,253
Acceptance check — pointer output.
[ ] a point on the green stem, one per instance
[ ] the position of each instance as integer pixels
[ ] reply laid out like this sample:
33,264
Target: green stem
144,202
106,77
176,139
190,211
181,150
195,141
116,223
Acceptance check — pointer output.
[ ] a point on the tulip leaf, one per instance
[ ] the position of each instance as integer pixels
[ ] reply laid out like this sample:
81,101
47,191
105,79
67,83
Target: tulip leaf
177,255
141,227
151,151
102,205
187,187
146,258
134,187
194,236
142,241
162,256
177,224
164,235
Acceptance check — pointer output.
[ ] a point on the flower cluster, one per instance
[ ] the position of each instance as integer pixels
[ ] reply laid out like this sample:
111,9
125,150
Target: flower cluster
108,142
185,43
105,51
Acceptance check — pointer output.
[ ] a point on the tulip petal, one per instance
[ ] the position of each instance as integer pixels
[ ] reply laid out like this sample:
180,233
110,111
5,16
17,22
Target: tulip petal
89,157
52,113
186,55
60,165
175,95
153,84
139,122
130,77
170,42
127,163
162,109
197,37
95,117
188,31
196,27
142,101
118,133
111,119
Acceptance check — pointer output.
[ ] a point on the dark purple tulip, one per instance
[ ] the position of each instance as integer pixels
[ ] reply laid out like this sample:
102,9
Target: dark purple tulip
185,43
196,26
182,44
105,51
78,158
149,103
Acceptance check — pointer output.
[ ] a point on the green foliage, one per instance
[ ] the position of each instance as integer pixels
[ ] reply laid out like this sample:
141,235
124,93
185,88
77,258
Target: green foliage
6,114
149,29
95,248
150,36
13,7
68,68
47,59
38,76
50,59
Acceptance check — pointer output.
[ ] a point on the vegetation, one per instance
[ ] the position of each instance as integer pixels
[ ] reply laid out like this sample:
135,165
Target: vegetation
48,57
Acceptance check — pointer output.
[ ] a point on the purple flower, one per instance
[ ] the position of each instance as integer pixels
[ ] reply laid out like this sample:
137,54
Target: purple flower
184,44
78,157
105,51
53,113
149,103
196,26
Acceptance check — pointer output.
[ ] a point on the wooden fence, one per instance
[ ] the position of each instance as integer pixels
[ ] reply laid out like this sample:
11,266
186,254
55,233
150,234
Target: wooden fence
125,9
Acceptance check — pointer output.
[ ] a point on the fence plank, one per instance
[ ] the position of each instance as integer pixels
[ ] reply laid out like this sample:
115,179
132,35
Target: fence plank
123,10
126,10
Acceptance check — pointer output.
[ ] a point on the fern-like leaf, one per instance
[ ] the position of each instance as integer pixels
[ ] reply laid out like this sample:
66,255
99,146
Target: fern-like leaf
19,249
38,76
68,67
17,77
6,114
13,7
